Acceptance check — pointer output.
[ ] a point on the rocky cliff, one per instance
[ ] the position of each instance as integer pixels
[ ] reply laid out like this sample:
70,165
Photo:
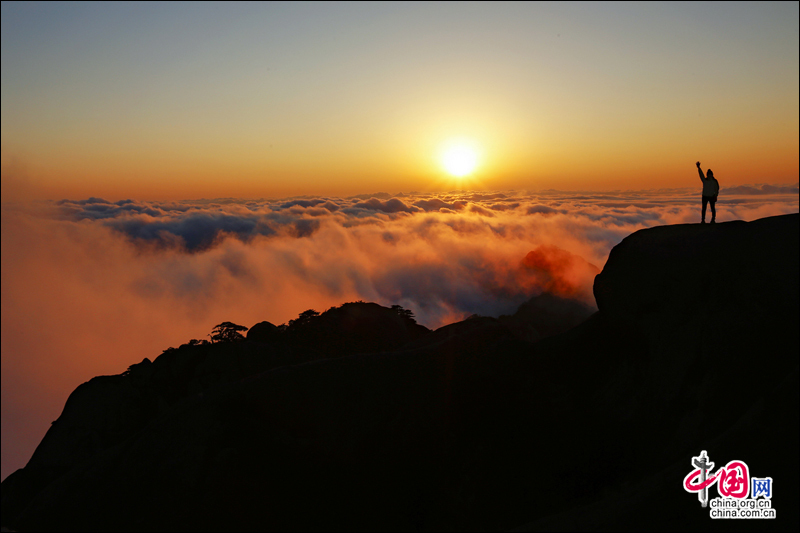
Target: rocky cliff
360,419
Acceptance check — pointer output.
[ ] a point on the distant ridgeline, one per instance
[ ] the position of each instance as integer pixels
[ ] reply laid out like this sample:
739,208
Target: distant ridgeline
360,418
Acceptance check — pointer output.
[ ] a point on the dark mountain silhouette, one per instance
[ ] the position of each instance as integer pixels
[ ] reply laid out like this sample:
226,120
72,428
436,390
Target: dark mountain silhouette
358,418
546,315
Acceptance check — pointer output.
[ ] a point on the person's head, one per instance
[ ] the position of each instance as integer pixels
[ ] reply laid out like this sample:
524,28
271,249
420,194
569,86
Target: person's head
710,173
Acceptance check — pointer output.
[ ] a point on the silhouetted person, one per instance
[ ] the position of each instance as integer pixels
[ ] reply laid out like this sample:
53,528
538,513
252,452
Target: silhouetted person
710,192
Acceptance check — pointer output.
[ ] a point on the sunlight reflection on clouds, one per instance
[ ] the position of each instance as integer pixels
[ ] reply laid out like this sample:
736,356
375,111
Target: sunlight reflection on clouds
424,234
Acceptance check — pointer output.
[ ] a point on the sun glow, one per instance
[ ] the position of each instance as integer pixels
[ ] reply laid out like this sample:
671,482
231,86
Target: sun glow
459,159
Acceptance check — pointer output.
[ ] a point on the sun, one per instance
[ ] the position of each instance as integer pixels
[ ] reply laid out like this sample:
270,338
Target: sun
459,159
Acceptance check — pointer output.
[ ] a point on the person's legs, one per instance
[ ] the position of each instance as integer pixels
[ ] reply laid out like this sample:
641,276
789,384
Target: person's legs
713,202
705,203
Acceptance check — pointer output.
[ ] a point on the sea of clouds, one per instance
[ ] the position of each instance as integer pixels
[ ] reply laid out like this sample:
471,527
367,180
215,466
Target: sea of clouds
445,255
90,286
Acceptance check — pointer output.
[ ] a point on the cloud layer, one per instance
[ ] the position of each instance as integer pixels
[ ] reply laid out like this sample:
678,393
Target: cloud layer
91,286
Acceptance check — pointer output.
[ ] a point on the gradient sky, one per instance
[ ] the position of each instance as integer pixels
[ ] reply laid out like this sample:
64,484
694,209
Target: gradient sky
166,101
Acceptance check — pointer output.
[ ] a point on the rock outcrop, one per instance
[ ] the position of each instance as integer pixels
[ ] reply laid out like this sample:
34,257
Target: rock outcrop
263,332
358,419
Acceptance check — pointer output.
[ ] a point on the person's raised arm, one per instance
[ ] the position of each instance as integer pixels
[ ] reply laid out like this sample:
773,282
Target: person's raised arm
700,171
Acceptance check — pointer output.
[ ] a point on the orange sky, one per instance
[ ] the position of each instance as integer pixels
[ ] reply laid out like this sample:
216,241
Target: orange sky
185,101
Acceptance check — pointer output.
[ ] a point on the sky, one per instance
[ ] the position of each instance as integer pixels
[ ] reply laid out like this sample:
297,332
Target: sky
176,100
167,167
